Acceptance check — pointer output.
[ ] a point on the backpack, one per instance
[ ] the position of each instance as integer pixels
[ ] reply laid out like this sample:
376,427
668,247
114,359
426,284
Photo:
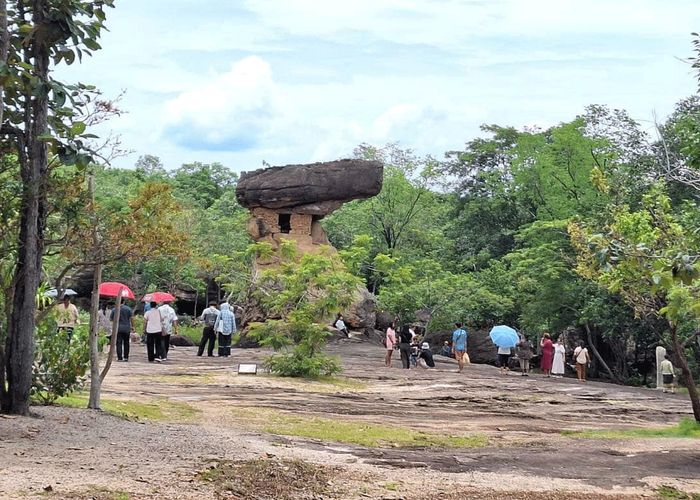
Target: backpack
210,319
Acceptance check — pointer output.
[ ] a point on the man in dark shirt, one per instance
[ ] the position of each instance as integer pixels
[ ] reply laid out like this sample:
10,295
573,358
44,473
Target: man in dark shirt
124,329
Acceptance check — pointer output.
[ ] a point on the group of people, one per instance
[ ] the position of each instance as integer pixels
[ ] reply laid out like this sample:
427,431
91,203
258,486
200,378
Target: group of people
219,321
552,360
414,352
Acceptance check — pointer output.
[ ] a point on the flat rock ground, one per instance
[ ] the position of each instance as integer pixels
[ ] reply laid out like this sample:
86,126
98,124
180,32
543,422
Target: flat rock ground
73,453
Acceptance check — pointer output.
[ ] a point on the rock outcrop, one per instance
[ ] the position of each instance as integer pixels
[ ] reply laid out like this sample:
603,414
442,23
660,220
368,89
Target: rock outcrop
313,189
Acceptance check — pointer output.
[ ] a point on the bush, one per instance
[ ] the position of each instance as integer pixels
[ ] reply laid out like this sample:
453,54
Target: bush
59,366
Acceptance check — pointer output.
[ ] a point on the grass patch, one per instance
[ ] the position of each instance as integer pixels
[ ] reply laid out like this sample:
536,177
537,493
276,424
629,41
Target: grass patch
686,428
666,491
352,432
162,410
279,479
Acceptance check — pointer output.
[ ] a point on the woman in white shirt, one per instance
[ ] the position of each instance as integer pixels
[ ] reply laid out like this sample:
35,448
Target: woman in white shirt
582,359
153,328
559,355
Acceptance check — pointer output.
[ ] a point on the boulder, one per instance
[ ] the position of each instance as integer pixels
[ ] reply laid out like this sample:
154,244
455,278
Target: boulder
479,345
314,189
362,313
383,320
180,341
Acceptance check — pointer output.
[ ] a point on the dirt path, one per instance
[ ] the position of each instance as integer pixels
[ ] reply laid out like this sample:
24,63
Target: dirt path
83,454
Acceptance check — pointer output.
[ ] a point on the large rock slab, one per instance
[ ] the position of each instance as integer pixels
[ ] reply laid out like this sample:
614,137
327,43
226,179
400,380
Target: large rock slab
314,189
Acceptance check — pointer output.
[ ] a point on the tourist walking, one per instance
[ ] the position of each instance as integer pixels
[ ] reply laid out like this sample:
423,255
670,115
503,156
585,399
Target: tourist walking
124,329
153,328
389,343
405,346
226,327
104,322
582,359
525,351
66,317
558,365
459,345
169,318
208,317
547,354
668,374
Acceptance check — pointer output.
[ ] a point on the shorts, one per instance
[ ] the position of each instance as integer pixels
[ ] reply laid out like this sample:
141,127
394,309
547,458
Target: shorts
668,378
459,354
503,360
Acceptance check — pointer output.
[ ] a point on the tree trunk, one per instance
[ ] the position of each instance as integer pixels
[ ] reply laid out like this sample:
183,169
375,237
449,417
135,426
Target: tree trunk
4,49
603,364
687,374
20,342
95,382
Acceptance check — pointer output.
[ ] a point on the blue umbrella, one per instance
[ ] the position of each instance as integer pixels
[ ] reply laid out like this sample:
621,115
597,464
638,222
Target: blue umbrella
504,336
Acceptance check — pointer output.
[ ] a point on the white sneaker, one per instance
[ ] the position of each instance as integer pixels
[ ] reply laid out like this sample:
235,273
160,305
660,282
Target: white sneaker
158,360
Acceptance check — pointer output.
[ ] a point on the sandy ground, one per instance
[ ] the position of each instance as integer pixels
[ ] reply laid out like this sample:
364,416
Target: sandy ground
72,453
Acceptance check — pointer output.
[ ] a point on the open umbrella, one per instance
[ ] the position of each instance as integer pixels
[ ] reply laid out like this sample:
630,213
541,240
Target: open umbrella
52,292
158,297
504,336
112,288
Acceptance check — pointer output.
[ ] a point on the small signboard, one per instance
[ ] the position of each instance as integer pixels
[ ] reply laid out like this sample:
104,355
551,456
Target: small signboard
247,369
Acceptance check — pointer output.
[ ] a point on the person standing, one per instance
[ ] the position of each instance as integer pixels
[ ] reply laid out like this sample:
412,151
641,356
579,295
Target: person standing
389,343
459,345
169,318
124,329
547,354
504,354
208,317
524,351
405,346
559,357
226,327
66,317
153,328
582,359
104,321
668,374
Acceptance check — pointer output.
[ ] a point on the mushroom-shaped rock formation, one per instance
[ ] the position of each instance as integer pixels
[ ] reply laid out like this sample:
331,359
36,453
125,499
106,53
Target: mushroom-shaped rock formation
289,202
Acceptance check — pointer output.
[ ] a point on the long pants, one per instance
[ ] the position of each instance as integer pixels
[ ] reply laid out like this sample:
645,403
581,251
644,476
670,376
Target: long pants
163,347
405,350
123,339
68,330
208,335
581,371
224,345
524,365
152,340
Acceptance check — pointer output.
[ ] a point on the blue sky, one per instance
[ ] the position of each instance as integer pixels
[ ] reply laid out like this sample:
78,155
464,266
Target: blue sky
295,81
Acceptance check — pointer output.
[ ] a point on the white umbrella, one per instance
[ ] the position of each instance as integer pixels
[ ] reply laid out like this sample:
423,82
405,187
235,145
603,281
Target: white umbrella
54,293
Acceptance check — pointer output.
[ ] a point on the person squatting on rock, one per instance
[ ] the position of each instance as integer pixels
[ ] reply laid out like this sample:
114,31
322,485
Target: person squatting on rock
459,345
340,325
226,327
169,318
208,317
124,329
405,346
425,356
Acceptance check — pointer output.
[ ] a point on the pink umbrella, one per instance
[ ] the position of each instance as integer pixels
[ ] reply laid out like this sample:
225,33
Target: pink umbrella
158,297
112,289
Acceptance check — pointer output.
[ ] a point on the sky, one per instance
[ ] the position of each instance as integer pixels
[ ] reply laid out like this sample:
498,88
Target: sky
296,81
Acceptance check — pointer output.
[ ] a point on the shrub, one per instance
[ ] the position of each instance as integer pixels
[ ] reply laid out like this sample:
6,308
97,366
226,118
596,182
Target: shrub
59,366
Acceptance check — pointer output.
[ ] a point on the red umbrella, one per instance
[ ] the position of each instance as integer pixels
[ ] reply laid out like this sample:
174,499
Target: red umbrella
112,289
158,297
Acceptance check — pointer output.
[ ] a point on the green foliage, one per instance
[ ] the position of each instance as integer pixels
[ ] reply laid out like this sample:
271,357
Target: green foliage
303,292
59,366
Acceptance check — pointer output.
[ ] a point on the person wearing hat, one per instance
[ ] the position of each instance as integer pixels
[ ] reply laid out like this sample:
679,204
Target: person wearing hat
426,356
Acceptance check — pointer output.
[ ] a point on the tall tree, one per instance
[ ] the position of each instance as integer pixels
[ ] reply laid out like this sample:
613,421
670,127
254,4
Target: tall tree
38,119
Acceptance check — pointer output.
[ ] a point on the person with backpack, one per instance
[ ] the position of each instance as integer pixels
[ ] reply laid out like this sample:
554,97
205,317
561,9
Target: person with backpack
208,317
459,345
582,359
